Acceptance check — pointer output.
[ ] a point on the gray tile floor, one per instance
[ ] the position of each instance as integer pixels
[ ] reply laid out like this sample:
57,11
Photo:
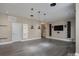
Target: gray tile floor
41,47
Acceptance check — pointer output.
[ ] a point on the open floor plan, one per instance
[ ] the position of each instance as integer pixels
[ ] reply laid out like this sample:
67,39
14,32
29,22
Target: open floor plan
37,29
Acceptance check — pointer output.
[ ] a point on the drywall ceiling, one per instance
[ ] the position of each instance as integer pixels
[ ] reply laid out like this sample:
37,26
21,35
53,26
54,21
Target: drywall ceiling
58,12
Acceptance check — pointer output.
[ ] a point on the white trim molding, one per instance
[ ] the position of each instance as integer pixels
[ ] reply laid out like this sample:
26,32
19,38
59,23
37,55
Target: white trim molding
62,39
32,39
76,54
10,42
4,43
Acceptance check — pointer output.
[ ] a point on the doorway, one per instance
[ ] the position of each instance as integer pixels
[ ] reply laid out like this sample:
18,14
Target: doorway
43,31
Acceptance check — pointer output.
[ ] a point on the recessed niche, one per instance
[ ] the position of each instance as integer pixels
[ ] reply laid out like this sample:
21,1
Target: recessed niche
58,28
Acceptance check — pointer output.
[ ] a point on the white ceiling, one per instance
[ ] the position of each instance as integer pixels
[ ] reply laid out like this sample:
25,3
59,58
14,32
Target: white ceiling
58,12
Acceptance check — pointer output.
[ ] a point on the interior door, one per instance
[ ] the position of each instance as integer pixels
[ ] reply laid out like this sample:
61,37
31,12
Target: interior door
16,31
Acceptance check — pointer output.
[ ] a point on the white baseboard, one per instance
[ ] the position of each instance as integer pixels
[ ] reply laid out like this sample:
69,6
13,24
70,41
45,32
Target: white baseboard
76,54
68,40
10,42
4,43
32,39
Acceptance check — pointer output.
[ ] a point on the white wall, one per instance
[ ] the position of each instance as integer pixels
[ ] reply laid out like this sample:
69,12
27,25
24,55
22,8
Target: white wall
77,28
32,33
8,20
63,34
5,31
36,33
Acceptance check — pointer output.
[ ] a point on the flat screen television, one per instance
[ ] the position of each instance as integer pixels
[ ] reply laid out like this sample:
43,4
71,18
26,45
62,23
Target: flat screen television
58,28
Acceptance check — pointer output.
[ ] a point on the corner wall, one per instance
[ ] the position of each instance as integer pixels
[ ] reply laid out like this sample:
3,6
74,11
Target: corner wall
77,29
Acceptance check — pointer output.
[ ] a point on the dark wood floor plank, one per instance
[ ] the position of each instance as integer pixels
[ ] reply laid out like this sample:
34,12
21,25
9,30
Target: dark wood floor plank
41,47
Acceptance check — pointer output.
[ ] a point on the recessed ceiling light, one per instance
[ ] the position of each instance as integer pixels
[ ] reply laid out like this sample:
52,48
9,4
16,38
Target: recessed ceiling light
52,4
44,13
38,11
32,9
